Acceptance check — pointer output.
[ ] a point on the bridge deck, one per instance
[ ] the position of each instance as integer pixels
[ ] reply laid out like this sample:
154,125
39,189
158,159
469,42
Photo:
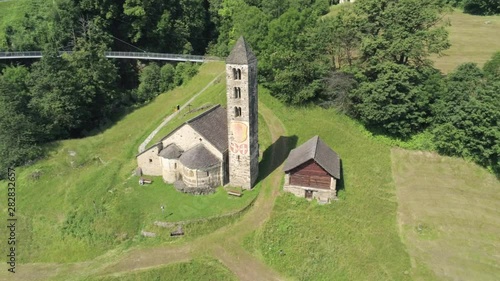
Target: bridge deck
117,55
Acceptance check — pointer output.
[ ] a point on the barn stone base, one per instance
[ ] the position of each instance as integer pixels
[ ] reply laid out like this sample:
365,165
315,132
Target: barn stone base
204,190
322,195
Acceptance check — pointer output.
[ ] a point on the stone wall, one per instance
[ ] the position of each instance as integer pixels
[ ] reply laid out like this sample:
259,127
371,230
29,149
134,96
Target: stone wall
210,177
149,161
186,137
243,167
170,169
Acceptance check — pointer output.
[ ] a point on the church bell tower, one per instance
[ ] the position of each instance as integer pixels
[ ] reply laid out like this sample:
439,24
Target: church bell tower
242,116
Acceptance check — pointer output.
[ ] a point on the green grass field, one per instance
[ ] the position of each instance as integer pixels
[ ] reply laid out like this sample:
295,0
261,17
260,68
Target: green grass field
449,215
197,269
212,96
86,200
473,39
8,14
355,238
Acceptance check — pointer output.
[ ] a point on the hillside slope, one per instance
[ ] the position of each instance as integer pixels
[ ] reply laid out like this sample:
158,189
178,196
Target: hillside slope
81,200
472,38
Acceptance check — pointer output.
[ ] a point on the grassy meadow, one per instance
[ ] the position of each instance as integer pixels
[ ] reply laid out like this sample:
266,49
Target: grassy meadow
449,215
197,269
86,200
354,238
472,38
9,12
216,94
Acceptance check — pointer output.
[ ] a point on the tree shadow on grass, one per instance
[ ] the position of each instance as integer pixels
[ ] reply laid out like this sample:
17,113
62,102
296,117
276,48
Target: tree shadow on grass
271,162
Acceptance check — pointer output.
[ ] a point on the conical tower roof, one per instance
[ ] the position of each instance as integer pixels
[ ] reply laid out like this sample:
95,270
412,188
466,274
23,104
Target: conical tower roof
241,53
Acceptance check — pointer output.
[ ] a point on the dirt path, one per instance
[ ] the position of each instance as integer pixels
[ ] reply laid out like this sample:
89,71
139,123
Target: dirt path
224,244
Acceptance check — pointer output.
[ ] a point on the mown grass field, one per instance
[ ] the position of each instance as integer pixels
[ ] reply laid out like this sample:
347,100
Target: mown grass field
86,200
449,214
197,269
472,38
355,238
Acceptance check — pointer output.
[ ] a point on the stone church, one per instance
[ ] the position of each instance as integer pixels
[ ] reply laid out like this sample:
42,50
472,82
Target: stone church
218,147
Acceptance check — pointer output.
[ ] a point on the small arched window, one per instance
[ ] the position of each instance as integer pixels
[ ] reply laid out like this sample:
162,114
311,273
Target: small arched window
237,111
237,74
237,93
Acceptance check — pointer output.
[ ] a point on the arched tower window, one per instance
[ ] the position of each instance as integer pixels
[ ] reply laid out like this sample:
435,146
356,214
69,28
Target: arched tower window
237,92
237,111
237,74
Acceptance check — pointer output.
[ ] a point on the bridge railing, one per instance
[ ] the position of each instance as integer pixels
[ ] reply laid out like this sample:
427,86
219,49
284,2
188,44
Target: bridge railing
124,55
32,54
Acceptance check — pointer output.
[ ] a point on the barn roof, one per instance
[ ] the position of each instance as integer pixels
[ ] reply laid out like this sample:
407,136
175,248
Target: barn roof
198,157
317,150
172,151
241,53
212,125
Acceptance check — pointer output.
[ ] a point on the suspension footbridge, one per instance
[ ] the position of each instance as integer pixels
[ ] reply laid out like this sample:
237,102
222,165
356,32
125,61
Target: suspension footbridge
117,55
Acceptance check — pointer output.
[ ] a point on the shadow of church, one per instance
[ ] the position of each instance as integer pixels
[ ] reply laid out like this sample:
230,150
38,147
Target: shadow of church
269,162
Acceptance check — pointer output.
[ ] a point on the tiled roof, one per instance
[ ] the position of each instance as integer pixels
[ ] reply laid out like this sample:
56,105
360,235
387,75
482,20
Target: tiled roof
241,53
198,157
172,151
317,150
212,125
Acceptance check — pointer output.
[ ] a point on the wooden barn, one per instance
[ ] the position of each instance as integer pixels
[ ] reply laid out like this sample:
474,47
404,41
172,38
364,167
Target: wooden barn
312,171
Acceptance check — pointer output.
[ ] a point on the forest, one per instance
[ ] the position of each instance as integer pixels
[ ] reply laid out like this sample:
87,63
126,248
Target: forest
370,60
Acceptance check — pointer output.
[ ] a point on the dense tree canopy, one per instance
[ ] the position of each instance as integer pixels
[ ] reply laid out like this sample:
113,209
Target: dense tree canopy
20,133
394,97
468,116
403,32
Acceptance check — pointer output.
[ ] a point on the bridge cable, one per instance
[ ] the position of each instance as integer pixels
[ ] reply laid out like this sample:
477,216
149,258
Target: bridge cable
128,44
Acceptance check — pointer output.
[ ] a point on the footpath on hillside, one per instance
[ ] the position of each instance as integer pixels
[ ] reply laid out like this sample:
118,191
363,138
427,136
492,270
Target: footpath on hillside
142,146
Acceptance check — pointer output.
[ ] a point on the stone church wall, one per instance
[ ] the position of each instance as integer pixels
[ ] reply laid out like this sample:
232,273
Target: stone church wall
150,162
243,167
170,169
209,177
186,137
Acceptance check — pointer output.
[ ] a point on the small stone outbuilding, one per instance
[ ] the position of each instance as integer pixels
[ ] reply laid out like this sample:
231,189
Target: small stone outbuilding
312,171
